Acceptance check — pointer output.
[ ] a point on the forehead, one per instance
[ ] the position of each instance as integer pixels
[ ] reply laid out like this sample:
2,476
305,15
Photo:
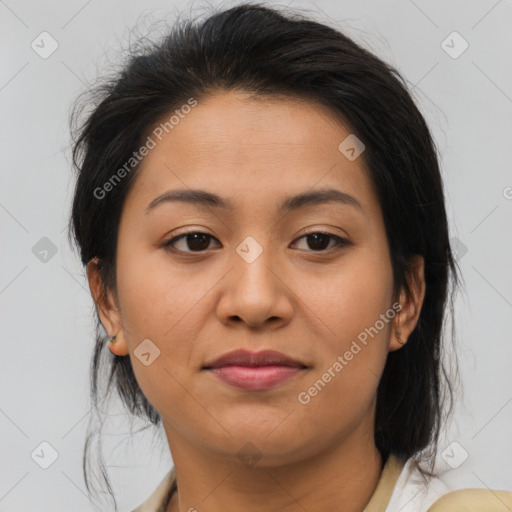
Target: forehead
254,150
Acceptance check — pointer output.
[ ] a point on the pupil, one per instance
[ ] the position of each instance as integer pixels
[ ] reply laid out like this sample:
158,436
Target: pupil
315,237
197,238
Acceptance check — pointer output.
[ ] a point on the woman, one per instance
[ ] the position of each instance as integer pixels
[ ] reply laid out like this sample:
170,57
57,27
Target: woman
293,356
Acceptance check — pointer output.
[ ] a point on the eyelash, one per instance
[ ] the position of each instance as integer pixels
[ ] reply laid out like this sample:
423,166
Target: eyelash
340,242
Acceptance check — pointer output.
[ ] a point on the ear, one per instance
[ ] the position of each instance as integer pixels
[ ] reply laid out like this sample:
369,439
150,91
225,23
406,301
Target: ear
406,319
110,315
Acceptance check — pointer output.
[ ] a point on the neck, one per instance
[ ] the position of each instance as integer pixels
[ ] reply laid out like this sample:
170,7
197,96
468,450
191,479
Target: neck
342,477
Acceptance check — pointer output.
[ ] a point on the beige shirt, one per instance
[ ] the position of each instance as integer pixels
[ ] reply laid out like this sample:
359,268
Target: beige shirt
401,488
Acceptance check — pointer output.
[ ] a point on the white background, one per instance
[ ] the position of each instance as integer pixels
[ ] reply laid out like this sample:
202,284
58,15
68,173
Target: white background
45,307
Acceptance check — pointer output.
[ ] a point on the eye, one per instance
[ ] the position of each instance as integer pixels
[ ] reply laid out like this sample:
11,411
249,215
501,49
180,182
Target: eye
318,241
195,241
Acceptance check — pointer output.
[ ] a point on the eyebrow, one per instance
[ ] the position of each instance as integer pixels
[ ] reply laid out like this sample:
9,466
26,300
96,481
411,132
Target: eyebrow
205,199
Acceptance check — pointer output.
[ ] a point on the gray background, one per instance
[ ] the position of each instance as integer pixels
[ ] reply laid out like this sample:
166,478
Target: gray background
45,307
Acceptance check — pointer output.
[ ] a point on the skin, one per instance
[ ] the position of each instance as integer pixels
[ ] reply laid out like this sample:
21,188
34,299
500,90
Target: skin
309,304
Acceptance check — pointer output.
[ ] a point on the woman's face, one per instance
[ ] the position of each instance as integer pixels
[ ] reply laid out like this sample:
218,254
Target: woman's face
254,280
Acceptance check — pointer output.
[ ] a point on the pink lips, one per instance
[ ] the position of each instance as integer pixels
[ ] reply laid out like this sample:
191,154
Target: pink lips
254,371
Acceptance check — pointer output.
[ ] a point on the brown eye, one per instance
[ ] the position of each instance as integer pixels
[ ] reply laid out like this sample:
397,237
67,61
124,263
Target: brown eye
319,241
199,242
191,242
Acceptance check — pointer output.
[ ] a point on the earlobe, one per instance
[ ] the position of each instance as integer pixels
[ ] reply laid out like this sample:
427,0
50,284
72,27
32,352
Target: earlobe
411,304
117,345
108,312
398,338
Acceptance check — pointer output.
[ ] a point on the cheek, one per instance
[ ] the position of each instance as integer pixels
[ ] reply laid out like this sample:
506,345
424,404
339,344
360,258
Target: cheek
158,305
352,355
351,296
167,305
354,305
155,297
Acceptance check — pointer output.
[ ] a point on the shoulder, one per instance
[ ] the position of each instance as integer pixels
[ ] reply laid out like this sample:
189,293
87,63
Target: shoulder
473,500
414,492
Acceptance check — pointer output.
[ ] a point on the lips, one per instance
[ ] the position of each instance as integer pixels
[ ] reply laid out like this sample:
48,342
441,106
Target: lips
253,359
255,371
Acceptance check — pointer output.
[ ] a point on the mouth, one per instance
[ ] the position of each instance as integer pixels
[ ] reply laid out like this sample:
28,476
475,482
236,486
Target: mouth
255,371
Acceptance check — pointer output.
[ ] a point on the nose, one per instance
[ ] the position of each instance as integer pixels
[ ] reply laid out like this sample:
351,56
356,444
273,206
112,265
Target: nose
255,294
